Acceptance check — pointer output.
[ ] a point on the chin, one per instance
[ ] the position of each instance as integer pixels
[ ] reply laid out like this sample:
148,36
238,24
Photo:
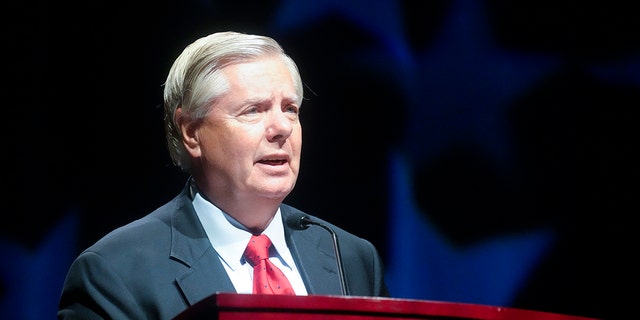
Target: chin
276,194
273,188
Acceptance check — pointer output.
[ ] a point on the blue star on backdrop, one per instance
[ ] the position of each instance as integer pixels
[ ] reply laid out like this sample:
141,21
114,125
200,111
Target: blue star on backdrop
423,264
457,90
33,278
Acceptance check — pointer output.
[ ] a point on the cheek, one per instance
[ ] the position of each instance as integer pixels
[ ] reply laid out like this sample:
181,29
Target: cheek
237,147
296,148
215,146
298,141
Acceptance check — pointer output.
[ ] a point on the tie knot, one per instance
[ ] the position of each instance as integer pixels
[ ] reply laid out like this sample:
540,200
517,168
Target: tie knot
257,249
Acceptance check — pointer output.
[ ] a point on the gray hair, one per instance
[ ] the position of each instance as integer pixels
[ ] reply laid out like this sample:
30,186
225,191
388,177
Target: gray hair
195,81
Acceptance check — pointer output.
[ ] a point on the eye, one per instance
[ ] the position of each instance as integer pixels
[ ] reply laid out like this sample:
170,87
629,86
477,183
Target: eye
250,113
251,110
292,108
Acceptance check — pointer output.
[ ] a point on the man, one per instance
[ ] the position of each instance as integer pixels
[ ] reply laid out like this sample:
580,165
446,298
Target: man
232,104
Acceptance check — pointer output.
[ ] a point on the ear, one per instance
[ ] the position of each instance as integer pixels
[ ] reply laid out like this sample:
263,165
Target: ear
188,130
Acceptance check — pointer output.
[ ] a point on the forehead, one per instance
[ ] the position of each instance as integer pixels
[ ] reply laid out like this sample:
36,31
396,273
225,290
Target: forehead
264,74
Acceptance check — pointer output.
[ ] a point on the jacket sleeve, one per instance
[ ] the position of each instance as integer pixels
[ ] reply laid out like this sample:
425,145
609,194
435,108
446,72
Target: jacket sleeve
92,290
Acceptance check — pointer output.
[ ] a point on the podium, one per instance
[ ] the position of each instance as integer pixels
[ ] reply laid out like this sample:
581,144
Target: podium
223,306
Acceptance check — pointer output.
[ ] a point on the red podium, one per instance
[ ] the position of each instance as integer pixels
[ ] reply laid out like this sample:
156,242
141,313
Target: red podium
234,306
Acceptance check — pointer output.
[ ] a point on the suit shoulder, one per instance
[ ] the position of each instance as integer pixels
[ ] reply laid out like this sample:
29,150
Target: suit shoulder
151,228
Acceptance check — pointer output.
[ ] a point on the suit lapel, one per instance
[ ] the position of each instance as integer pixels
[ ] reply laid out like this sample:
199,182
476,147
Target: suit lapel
205,277
191,247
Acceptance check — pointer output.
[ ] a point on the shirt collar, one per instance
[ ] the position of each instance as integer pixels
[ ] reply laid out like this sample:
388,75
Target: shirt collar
229,238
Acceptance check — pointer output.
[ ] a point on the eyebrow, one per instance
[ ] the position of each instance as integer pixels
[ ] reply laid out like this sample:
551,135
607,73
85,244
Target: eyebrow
289,99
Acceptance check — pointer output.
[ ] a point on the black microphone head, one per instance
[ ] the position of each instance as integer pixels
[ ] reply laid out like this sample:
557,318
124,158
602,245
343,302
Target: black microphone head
298,221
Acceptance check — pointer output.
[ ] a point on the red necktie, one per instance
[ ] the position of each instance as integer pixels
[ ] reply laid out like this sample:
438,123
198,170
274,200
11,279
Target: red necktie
267,278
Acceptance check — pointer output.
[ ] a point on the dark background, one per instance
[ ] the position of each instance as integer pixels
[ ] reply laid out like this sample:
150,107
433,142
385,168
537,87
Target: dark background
497,138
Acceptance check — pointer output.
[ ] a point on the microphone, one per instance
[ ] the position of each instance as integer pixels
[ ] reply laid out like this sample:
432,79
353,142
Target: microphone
300,221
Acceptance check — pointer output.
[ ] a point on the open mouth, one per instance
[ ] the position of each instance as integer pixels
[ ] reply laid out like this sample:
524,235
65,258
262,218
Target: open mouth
273,162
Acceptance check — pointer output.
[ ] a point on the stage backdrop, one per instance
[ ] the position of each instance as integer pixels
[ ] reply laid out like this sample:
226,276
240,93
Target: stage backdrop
485,147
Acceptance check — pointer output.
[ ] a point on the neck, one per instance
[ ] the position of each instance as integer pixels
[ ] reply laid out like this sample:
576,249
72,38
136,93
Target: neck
253,211
254,215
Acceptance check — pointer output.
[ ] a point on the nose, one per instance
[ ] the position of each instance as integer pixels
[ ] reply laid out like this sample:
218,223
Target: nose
279,125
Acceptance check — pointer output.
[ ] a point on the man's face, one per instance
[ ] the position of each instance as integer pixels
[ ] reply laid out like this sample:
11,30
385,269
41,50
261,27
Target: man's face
250,143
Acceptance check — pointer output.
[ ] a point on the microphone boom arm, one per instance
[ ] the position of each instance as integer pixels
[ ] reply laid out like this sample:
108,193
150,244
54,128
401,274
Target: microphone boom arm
305,222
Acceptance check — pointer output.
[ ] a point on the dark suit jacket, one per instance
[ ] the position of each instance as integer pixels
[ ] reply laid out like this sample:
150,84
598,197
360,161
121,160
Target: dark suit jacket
157,266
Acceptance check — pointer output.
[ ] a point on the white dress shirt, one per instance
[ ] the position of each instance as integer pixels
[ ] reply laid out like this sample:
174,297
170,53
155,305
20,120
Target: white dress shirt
229,238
